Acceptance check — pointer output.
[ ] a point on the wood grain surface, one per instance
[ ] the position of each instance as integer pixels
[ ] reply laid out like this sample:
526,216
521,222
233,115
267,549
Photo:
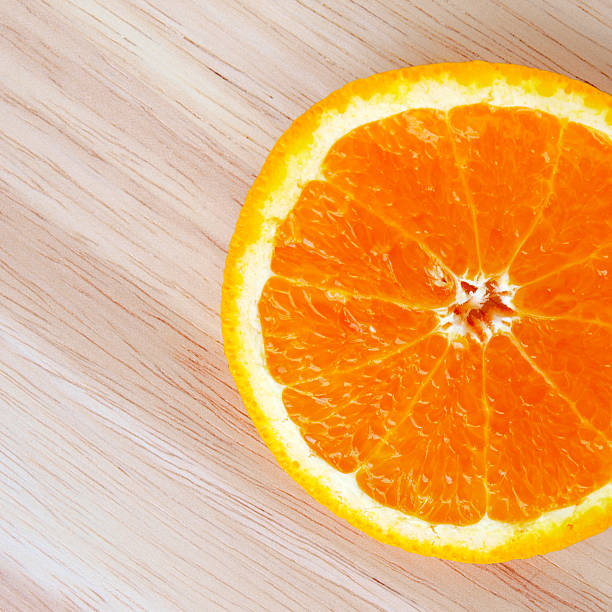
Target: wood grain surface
130,131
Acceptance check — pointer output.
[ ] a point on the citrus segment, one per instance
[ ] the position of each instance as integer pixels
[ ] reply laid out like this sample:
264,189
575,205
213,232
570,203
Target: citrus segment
541,454
309,333
578,218
581,290
508,157
577,357
432,463
328,239
343,416
402,168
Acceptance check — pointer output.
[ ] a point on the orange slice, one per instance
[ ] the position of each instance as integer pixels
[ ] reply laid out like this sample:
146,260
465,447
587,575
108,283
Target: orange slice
417,308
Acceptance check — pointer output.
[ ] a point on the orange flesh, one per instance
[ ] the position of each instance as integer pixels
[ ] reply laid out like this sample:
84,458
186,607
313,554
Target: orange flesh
448,429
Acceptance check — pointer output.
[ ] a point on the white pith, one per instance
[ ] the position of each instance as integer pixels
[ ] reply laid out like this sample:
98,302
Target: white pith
455,326
487,534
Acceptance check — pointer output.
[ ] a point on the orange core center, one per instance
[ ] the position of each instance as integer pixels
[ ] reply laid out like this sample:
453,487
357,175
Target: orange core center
483,305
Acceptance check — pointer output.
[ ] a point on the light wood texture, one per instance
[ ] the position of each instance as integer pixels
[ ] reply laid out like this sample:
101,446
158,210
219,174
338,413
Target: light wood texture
130,131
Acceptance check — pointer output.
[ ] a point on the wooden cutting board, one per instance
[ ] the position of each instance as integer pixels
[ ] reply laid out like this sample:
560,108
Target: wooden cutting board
130,131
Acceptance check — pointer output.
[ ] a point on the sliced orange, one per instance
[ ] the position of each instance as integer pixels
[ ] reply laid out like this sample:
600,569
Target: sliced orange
417,308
